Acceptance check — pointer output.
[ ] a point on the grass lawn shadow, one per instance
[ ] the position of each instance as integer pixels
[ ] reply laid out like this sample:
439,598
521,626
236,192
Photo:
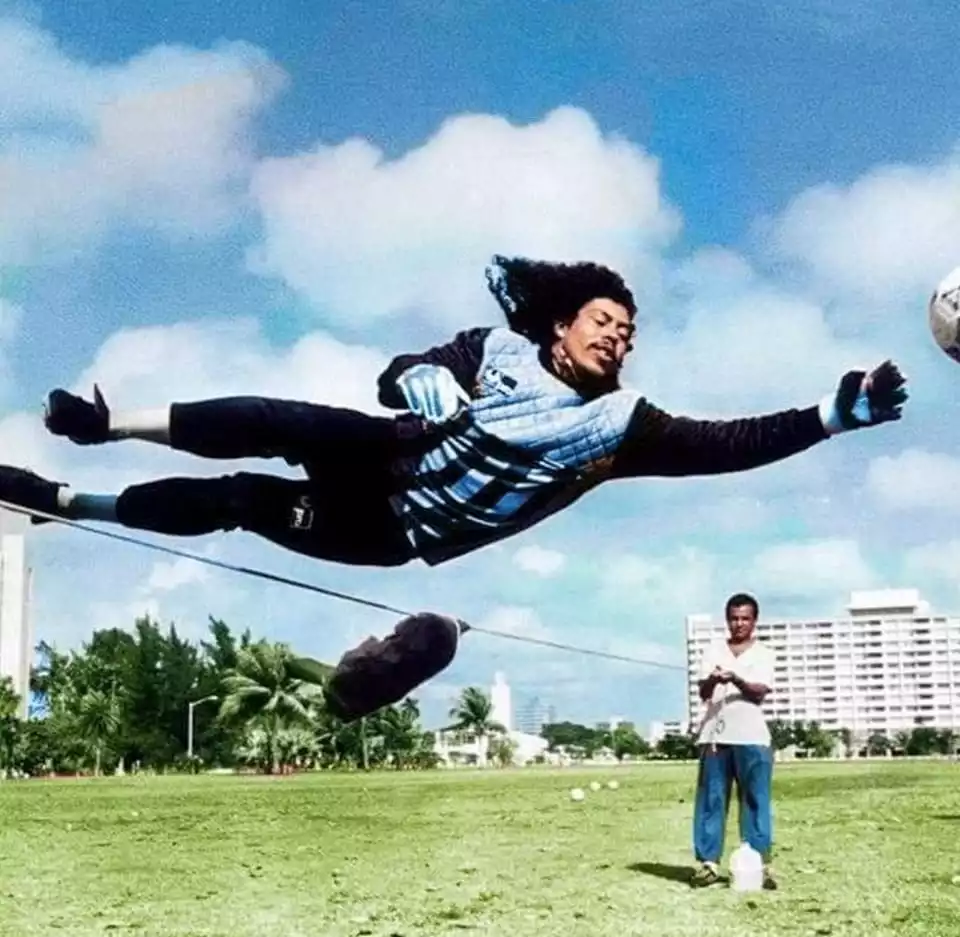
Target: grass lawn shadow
670,873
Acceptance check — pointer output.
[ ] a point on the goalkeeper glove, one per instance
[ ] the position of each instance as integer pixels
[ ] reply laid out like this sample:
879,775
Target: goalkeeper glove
863,399
432,392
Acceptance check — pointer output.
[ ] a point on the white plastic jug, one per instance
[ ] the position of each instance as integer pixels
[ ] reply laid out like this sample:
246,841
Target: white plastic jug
746,869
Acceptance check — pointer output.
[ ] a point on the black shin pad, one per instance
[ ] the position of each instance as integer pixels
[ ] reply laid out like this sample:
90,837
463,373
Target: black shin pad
383,671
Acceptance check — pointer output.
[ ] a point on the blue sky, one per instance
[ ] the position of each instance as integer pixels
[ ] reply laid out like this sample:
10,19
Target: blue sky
280,197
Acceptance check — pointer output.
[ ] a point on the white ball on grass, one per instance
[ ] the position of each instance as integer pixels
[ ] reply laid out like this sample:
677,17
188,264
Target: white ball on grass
577,794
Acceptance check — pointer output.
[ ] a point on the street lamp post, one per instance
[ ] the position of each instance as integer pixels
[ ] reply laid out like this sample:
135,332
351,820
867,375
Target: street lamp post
190,708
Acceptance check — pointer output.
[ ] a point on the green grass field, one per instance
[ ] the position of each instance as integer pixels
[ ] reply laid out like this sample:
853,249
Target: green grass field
861,849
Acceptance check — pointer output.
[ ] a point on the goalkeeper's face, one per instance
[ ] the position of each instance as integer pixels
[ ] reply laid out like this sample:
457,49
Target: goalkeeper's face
598,339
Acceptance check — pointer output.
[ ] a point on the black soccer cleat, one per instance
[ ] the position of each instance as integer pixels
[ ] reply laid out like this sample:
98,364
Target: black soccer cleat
83,422
383,671
29,491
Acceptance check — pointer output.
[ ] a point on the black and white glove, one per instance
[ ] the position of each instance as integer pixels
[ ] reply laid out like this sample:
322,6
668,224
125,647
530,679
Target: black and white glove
863,399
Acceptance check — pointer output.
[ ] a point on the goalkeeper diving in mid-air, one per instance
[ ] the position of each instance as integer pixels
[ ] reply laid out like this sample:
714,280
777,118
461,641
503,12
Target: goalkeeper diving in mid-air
500,428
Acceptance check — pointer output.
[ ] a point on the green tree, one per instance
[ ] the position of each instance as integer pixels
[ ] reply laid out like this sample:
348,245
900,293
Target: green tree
573,738
878,744
781,734
9,724
400,732
627,742
677,747
473,714
818,742
502,751
260,694
923,740
98,720
37,749
947,741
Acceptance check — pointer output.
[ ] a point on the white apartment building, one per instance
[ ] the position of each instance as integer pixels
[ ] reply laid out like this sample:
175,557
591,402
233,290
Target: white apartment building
453,748
661,729
886,666
16,633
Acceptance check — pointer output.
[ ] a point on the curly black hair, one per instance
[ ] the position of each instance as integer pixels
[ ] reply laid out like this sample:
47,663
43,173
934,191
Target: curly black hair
536,294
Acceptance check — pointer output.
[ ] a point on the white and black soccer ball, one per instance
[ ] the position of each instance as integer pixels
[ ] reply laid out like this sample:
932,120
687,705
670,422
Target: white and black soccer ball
943,312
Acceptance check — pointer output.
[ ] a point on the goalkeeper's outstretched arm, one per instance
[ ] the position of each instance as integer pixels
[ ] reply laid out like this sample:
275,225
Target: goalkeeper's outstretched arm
657,443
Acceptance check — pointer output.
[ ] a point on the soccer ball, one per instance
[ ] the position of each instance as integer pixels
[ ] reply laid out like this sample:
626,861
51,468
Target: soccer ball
943,312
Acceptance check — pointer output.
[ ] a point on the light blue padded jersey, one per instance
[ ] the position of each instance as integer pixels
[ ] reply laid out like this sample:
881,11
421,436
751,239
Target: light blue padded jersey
523,450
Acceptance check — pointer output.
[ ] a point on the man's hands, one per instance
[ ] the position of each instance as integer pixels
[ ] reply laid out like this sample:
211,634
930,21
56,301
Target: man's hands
432,392
718,676
863,399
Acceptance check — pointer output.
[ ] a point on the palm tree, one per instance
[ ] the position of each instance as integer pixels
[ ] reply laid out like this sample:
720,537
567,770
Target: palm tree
400,729
473,714
98,721
261,693
292,744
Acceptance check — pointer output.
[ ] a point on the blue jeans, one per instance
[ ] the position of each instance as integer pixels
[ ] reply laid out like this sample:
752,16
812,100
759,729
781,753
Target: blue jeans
751,767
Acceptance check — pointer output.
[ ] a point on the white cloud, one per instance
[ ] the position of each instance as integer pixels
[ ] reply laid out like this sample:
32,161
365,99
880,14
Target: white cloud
637,649
516,620
745,345
539,560
166,576
810,569
934,561
121,614
734,514
11,315
162,141
213,358
364,237
231,356
915,480
670,584
890,233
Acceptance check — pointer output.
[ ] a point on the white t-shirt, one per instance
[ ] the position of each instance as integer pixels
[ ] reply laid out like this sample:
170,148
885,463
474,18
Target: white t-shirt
729,718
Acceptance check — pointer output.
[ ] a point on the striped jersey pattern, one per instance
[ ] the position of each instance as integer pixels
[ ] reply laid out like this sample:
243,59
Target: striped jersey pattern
523,446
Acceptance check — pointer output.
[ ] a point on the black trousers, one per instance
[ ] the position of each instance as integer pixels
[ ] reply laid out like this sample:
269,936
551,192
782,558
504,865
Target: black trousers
339,512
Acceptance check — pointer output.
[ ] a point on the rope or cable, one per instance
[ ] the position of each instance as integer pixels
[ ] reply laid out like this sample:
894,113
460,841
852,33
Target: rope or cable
321,590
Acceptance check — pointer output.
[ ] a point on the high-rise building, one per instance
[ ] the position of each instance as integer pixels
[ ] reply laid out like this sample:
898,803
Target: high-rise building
885,667
501,702
16,633
532,714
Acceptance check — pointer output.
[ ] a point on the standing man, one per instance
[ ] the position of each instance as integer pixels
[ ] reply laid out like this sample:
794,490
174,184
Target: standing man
735,677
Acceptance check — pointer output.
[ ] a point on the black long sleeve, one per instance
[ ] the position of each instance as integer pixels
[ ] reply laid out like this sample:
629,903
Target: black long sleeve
657,443
462,356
